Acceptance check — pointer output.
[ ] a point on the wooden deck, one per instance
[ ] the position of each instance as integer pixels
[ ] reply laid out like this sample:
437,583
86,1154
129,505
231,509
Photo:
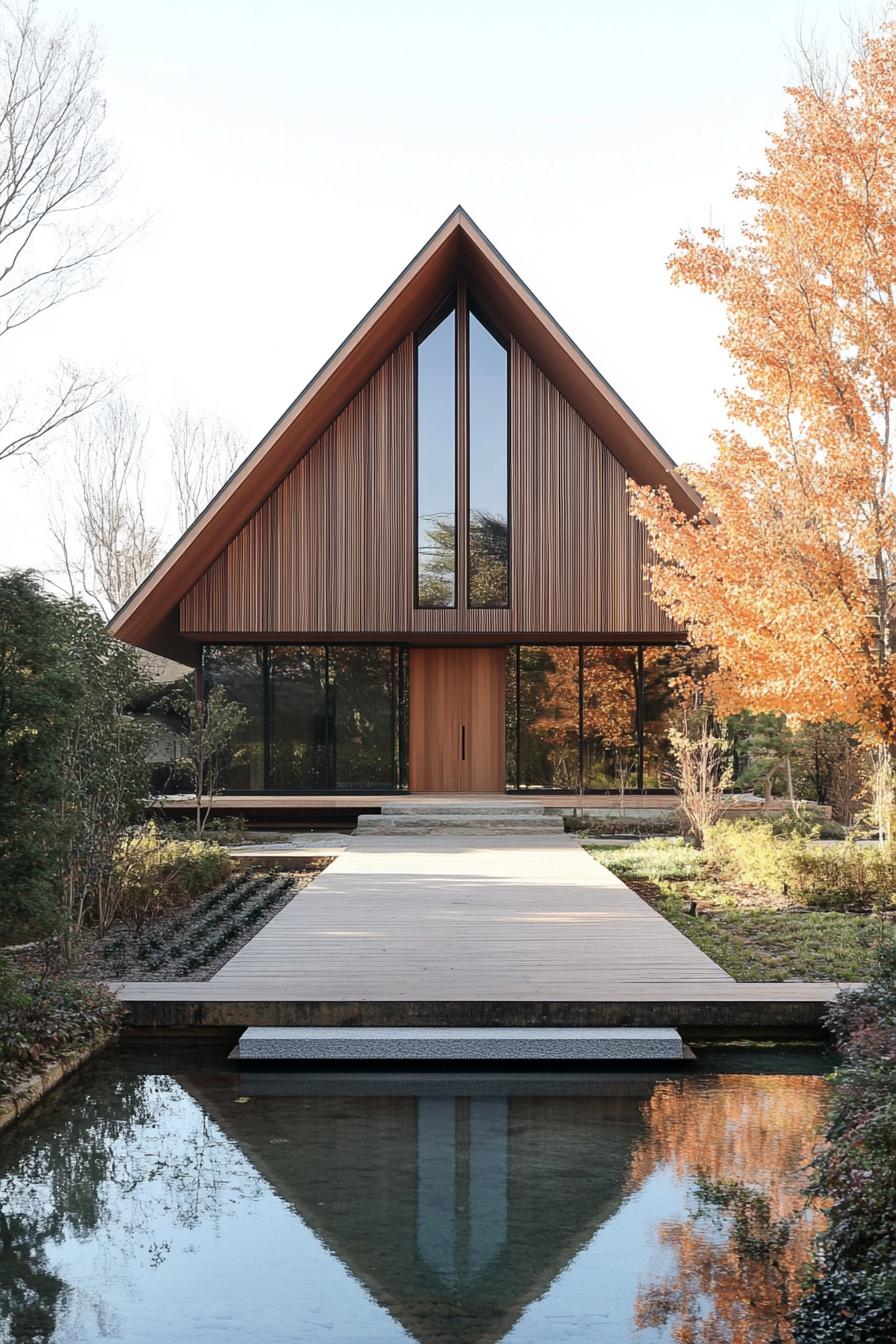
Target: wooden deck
300,803
471,930
408,917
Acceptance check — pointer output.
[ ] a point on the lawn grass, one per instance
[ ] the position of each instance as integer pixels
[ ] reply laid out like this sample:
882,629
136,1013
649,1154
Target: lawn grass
781,944
750,941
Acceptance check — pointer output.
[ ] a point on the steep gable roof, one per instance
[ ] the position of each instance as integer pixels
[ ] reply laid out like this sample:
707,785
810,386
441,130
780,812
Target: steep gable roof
149,618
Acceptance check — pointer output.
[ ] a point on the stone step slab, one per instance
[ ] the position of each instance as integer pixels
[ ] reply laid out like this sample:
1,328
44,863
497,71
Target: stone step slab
465,1044
428,825
452,809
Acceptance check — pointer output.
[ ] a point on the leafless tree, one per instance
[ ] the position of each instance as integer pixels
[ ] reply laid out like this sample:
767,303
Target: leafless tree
204,452
702,771
105,540
55,170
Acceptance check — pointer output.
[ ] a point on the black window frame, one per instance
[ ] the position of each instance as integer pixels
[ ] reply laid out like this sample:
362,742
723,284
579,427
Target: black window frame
516,785
448,304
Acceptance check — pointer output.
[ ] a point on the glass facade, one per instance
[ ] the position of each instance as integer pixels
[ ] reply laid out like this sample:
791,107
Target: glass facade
323,717
610,755
363,715
298,722
591,716
662,667
482,382
239,669
437,464
548,734
488,536
319,716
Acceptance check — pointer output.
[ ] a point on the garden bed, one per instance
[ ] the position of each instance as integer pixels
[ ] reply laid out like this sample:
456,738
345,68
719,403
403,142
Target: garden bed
753,934
193,944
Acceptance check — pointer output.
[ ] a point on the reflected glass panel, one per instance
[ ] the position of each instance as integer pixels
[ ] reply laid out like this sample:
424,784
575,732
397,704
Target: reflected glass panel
662,666
610,717
549,717
436,467
239,670
362,715
489,577
298,717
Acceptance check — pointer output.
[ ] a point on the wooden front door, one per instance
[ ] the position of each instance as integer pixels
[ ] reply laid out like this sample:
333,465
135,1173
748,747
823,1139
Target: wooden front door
456,721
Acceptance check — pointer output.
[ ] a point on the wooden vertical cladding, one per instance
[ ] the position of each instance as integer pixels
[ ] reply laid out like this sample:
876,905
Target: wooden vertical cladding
578,556
332,549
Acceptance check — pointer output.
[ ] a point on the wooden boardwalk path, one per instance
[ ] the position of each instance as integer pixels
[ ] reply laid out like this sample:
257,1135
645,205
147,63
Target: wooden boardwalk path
466,917
454,929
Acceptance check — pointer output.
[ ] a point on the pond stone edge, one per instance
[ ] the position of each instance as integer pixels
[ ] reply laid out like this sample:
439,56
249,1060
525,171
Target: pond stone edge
25,1095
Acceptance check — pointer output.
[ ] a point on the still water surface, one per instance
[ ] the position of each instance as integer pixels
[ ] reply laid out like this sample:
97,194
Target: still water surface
160,1198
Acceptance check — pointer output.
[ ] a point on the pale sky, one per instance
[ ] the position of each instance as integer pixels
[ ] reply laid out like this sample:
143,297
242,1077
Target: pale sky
289,159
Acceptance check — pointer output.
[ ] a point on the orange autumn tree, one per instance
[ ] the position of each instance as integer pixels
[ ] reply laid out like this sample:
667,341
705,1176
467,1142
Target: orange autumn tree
787,571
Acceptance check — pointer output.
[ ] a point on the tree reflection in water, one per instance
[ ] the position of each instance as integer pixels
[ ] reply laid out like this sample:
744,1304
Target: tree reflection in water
392,1210
757,1130
125,1161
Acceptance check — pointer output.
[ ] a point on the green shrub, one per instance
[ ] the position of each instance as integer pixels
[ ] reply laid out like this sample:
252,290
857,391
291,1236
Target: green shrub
619,825
46,1015
218,830
782,861
847,876
749,853
809,822
853,1298
156,875
654,861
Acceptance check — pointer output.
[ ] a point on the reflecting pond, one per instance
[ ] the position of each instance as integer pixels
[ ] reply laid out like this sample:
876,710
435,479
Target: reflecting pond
164,1197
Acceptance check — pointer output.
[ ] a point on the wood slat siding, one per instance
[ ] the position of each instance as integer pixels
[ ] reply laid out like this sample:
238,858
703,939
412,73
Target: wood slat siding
332,549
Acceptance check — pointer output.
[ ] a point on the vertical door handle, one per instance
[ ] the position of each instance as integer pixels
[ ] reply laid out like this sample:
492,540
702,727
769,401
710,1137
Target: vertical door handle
463,741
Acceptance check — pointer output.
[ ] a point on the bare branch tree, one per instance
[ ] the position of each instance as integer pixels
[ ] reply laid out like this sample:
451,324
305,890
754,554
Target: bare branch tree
702,771
105,541
72,393
204,452
55,169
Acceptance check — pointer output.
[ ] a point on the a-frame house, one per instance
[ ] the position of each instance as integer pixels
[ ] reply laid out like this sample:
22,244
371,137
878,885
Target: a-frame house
426,575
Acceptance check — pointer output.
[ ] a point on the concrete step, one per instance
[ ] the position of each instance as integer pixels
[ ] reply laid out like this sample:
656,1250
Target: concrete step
466,807
496,1044
499,818
425,824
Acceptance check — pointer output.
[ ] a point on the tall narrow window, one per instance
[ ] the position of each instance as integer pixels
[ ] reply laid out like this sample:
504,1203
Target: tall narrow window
488,538
437,465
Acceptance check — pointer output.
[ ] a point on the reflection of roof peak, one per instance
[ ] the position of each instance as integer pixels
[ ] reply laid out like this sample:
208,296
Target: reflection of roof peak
454,1212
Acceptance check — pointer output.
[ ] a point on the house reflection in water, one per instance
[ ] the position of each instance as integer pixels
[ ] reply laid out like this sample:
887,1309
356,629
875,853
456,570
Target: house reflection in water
178,1202
455,1211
